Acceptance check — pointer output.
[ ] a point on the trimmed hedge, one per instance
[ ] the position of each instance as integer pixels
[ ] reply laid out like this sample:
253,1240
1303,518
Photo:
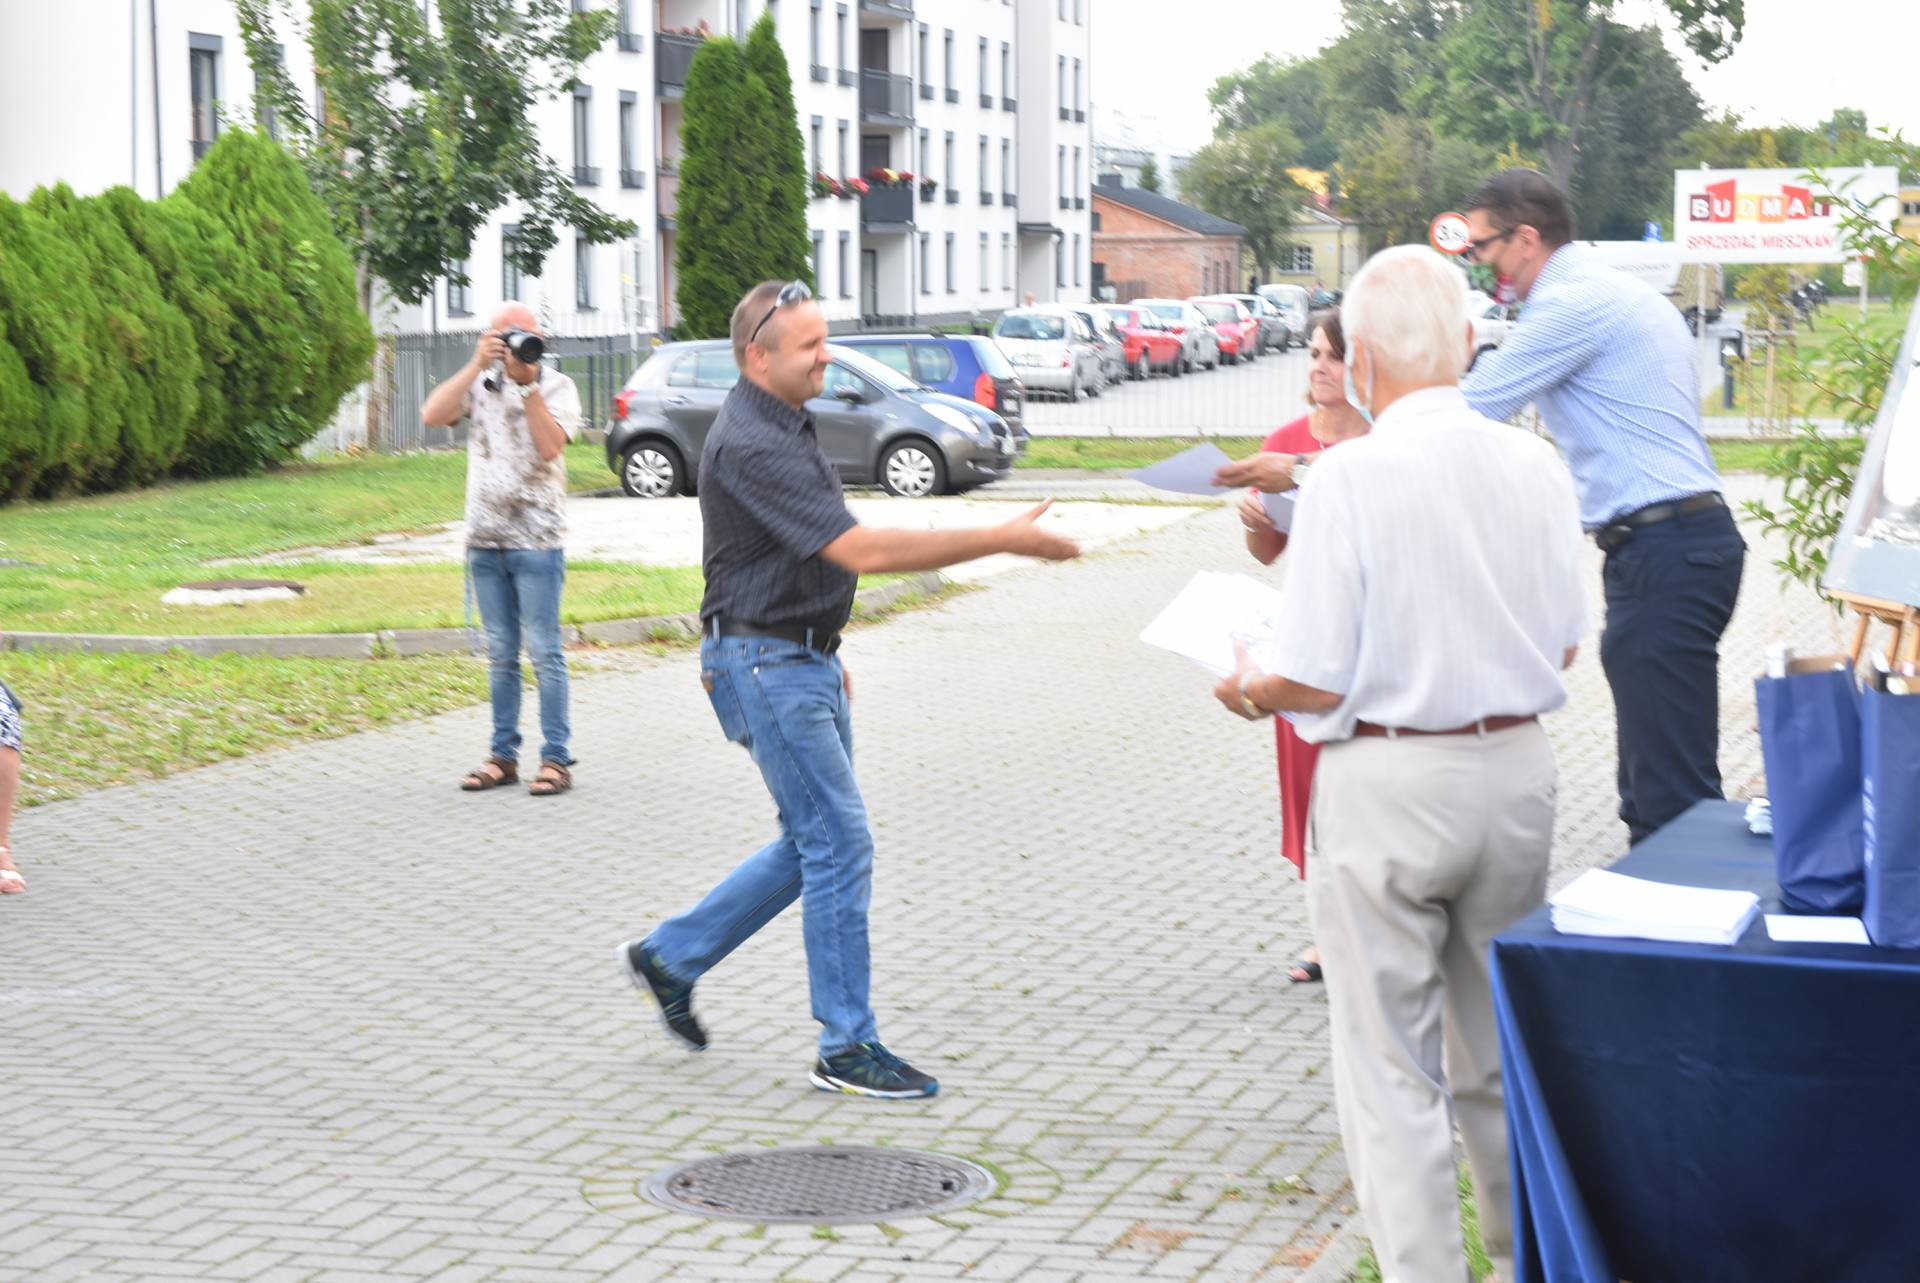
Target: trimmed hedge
209,333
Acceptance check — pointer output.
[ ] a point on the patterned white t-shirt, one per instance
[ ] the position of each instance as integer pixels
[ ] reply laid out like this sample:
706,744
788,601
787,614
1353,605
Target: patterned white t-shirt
516,499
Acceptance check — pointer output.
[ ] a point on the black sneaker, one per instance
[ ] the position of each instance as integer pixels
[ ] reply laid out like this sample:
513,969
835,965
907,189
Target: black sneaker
675,999
871,1070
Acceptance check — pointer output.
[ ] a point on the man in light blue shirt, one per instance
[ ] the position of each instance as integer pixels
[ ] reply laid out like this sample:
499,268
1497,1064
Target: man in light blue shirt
1610,365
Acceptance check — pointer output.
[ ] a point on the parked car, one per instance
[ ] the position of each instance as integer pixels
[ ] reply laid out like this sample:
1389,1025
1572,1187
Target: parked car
1051,350
1239,332
1292,303
969,366
1490,320
1106,337
876,425
1201,344
1273,326
1151,343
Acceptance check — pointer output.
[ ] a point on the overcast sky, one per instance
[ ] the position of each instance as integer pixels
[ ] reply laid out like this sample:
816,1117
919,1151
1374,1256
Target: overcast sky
1796,63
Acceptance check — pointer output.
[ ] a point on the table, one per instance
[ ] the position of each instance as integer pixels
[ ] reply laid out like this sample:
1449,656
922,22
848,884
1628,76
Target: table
1692,1114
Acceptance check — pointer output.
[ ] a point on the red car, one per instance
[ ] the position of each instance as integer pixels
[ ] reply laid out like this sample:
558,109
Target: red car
1239,329
1151,344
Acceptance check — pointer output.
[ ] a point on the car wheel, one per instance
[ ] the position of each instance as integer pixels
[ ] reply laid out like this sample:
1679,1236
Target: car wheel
652,470
912,469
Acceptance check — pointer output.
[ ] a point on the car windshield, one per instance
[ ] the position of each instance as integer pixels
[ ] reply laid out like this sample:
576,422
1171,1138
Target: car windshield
993,362
1218,312
1122,316
1031,327
859,362
1168,311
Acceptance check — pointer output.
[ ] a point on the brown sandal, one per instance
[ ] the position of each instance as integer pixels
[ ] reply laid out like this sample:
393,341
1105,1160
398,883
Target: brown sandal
553,780
480,779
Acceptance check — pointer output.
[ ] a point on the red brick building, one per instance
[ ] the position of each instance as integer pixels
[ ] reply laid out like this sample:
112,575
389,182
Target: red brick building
1148,246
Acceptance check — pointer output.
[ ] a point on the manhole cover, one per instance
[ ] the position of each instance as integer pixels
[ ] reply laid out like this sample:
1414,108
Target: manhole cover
819,1186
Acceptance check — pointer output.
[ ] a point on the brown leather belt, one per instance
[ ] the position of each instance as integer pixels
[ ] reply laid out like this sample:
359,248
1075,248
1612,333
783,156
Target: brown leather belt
1485,725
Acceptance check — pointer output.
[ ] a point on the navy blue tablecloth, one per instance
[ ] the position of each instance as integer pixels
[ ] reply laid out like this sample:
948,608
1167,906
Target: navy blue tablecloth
1693,1114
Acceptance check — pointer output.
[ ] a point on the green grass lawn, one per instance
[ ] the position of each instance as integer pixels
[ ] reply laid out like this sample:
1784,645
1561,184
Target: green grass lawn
1122,454
1794,399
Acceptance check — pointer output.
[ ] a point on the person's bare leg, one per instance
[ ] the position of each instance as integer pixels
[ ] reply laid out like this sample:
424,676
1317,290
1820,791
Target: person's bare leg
9,786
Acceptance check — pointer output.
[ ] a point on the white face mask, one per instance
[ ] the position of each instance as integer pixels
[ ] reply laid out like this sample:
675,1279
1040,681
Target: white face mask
1353,398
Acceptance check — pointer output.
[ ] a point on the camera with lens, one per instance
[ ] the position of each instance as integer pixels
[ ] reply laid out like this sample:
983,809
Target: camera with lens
524,346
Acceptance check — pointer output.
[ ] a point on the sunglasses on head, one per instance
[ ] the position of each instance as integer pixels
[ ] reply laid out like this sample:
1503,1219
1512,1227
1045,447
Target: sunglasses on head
790,293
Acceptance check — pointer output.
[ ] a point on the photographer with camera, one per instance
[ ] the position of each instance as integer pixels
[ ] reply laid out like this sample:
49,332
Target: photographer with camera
520,416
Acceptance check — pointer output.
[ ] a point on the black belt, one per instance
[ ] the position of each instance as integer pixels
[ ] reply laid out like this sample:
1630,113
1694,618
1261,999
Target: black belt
1621,528
824,640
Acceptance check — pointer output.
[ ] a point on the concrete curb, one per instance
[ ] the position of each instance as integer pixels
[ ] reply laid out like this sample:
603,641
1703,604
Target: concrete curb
413,641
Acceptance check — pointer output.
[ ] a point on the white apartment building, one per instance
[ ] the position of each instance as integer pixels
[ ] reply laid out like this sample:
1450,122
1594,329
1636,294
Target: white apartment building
932,87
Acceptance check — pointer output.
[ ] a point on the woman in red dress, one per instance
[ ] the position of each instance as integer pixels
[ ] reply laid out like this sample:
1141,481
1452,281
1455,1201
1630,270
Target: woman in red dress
1330,421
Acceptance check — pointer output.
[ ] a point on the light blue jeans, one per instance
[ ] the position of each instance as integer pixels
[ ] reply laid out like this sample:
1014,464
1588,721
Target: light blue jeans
787,705
518,592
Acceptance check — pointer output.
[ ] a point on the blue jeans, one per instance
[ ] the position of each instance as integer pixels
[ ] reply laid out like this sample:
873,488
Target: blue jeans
518,590
787,705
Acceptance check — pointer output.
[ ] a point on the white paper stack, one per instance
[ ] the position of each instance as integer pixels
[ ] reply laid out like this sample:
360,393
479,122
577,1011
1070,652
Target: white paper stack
1602,903
1212,612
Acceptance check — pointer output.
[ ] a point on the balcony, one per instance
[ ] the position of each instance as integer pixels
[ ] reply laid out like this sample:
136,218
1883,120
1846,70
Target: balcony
846,76
986,198
669,197
586,175
986,100
953,95
1064,203
926,195
953,196
1008,104
633,179
1008,199
1080,117
926,90
1079,202
885,99
630,41
887,209
821,74
897,9
1065,114
672,55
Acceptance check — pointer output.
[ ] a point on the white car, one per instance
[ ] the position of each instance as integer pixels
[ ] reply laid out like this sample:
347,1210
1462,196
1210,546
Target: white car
1491,320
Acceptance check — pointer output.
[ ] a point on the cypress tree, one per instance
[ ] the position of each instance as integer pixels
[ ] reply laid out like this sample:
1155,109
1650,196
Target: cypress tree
718,254
145,341
19,417
47,306
783,227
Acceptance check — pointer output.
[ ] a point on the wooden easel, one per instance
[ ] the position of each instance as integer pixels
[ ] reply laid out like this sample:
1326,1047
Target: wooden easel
1903,647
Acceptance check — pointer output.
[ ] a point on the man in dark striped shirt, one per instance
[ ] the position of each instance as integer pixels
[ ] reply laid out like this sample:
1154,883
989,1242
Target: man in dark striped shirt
782,557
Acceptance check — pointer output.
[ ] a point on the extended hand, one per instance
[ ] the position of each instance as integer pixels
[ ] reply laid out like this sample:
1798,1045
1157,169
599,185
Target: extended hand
1227,691
1028,540
1268,472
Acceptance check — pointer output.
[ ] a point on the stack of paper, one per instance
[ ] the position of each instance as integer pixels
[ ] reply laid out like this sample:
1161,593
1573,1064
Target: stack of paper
1602,903
1211,613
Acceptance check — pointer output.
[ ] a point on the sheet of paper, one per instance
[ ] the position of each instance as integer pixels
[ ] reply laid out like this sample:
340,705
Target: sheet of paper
1210,614
1280,508
1602,903
1791,928
1189,472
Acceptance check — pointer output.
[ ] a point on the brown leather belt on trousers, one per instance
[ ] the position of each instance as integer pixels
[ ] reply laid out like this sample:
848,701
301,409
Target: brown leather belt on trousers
1481,727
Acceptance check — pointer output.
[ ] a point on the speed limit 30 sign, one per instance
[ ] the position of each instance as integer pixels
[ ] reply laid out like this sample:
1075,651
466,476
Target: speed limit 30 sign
1449,233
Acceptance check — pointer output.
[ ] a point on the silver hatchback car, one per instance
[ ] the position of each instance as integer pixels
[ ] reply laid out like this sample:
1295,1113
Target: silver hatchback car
1051,350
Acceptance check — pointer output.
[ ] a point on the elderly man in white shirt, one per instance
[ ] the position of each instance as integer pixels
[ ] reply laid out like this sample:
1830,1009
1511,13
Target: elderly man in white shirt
1432,601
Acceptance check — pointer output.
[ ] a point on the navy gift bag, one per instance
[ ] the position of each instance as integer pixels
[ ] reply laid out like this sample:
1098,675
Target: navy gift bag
1810,737
1890,758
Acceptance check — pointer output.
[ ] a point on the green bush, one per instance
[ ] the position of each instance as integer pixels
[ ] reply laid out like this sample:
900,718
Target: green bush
49,437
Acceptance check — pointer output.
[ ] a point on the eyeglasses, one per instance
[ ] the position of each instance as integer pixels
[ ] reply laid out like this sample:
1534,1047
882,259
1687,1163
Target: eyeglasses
1474,248
790,293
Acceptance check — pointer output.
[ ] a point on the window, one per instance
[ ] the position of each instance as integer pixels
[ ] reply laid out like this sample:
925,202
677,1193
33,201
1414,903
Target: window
926,64
1297,258
839,376
926,263
985,272
203,66
629,39
843,171
953,282
629,111
814,134
1063,175
582,273
813,41
932,363
840,43
846,279
1076,258
1006,167
1078,178
713,369
953,93
1078,114
1006,261
819,260
986,82
953,188
892,355
584,175
459,300
1006,70
926,156
1062,99
1063,10
509,274
1059,264
986,186
263,102
1076,12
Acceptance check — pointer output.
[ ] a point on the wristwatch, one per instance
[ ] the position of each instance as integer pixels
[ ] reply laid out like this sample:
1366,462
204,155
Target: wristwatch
1251,709
1298,472
525,390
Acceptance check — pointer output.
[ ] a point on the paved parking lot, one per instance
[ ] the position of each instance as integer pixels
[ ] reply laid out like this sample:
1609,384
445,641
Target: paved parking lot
315,1015
1234,400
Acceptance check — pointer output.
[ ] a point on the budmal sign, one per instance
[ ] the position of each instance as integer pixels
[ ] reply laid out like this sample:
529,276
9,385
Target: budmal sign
1774,215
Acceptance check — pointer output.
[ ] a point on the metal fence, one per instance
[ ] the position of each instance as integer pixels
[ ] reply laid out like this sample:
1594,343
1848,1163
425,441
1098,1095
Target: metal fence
409,366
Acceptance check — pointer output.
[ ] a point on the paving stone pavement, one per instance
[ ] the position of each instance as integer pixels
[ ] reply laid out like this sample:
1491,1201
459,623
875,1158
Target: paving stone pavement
316,1015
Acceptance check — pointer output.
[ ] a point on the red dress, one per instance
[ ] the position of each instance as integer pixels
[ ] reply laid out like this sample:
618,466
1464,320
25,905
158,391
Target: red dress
1297,757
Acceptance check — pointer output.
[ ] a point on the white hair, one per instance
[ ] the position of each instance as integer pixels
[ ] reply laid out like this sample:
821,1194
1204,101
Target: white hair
1408,308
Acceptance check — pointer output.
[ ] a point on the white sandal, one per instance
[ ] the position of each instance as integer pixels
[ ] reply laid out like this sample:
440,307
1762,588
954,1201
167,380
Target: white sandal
10,877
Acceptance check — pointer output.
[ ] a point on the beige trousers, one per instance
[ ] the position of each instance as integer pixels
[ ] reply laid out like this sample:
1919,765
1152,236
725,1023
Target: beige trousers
1421,850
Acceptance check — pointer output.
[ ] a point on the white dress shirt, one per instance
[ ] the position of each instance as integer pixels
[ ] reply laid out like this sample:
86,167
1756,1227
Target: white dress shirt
1433,574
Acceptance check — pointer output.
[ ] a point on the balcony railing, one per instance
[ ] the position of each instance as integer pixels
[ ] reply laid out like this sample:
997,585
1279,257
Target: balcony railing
586,175
953,95
888,8
1064,113
1079,202
1079,116
1063,202
986,198
634,179
821,74
926,90
953,196
887,205
1008,199
926,195
885,97
1008,104
986,100
630,41
672,55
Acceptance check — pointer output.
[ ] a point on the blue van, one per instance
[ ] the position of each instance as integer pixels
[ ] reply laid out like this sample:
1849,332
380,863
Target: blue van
969,366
